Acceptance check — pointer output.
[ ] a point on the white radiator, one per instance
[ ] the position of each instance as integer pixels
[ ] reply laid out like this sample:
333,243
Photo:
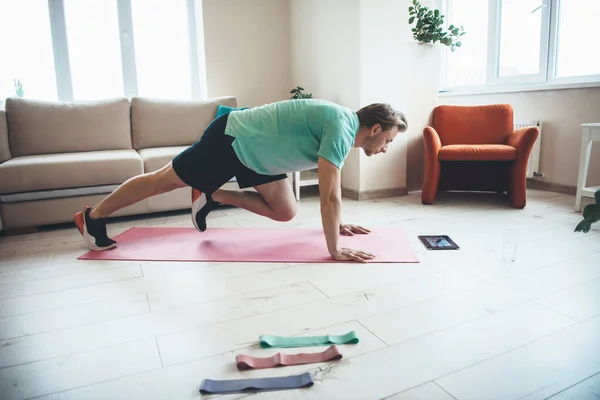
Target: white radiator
533,166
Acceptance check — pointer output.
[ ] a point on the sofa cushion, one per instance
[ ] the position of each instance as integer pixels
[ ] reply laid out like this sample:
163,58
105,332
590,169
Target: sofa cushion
157,157
59,171
40,127
4,146
163,123
478,152
56,193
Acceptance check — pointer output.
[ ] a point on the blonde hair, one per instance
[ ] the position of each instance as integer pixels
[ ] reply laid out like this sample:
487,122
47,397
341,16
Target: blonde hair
383,114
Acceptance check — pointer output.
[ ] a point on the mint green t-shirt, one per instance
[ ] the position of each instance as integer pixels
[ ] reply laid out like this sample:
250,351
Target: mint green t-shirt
290,135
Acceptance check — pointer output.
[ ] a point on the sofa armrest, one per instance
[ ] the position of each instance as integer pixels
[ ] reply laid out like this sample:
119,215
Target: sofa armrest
4,142
523,140
433,144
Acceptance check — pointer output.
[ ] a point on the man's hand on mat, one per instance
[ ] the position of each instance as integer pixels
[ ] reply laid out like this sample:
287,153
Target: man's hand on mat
350,230
345,254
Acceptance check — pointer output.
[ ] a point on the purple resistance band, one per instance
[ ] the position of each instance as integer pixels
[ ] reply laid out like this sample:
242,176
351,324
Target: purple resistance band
210,386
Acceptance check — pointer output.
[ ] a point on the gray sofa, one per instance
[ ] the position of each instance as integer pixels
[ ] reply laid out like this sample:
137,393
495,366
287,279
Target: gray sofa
56,158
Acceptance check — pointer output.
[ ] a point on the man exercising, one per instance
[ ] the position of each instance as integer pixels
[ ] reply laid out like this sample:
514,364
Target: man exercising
259,146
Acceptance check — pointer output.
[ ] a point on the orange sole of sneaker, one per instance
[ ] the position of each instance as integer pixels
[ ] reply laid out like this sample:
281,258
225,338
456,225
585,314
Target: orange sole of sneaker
80,224
79,221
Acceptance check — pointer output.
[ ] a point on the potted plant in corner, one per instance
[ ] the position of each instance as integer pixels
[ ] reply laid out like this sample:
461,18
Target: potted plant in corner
430,27
591,214
299,94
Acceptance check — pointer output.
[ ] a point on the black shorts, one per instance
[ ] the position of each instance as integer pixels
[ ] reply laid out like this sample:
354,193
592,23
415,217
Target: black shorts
211,162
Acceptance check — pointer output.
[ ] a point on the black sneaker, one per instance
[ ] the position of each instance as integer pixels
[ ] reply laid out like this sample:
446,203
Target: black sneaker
93,231
202,204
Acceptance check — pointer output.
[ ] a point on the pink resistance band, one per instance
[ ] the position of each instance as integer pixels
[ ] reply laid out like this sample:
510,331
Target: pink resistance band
244,362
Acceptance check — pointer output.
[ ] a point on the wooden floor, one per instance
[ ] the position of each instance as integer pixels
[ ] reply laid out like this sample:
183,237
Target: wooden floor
458,325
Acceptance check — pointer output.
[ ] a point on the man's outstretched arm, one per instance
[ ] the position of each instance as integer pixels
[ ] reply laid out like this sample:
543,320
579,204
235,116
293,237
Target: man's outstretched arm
331,212
331,202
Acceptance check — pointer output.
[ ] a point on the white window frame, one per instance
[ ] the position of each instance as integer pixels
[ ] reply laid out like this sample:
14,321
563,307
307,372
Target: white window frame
60,47
494,37
544,80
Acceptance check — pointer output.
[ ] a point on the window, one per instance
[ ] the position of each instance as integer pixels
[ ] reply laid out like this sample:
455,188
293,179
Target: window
162,55
94,49
520,37
466,66
97,49
27,66
522,42
576,54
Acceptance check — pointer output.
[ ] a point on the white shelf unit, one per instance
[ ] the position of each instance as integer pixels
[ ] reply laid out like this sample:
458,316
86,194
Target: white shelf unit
304,178
590,133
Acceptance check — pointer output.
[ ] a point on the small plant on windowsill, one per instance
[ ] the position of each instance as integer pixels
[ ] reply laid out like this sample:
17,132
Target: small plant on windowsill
430,27
298,94
19,92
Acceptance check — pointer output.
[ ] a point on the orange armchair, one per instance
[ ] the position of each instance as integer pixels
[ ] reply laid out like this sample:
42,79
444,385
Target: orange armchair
474,148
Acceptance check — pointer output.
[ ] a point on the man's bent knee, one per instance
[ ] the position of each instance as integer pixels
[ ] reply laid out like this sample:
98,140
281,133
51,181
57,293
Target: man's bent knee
285,213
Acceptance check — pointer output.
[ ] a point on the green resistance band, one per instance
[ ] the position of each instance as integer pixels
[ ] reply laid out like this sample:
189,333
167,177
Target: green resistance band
267,341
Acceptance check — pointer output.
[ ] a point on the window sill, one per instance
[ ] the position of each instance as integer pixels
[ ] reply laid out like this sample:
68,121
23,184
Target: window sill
465,91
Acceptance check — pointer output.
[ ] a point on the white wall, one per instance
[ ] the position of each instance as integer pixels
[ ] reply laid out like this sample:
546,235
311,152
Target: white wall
359,52
384,80
562,112
324,49
248,50
396,70
326,59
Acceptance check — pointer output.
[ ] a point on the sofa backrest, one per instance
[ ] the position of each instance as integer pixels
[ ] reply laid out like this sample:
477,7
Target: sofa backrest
40,127
4,146
162,123
473,124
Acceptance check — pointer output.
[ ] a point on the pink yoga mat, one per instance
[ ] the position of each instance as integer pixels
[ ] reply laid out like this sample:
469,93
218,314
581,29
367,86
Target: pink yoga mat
298,245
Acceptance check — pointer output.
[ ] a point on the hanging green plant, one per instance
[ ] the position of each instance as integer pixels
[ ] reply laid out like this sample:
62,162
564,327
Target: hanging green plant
430,27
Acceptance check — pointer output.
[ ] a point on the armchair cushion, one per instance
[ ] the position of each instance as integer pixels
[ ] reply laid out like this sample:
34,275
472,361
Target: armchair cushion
489,124
477,152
